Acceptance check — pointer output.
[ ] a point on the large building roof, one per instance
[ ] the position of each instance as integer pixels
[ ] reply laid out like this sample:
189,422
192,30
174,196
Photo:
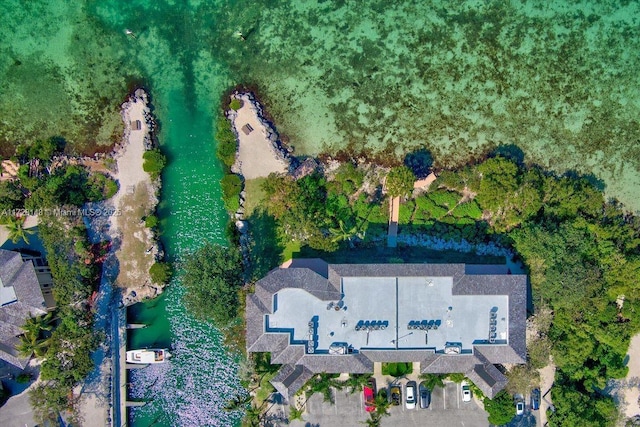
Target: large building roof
21,297
344,317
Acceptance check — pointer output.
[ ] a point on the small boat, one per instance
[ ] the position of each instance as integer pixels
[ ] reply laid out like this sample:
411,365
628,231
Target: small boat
150,355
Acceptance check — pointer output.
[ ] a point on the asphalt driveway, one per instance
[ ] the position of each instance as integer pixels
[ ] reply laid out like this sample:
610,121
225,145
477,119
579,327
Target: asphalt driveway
447,408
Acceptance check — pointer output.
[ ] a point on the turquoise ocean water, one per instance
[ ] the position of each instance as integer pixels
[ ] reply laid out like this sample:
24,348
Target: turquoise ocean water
557,79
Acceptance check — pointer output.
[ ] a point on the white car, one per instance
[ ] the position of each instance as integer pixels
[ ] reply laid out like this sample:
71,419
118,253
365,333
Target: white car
410,402
466,391
519,404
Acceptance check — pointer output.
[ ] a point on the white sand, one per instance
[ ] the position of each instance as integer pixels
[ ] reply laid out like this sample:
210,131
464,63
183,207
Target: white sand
547,376
134,199
257,156
129,160
631,391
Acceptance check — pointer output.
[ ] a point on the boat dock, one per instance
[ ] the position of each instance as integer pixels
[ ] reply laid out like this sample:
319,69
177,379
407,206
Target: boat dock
136,325
120,367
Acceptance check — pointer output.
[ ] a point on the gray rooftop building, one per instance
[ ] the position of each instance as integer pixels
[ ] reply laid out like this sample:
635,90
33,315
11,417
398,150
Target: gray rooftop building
22,282
452,318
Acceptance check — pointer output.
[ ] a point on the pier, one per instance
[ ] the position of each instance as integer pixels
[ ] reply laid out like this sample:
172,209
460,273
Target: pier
136,325
120,368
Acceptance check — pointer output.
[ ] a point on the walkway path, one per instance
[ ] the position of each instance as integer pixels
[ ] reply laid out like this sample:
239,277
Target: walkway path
547,376
394,211
630,388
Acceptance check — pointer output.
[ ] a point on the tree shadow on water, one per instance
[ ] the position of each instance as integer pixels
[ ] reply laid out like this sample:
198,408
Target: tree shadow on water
511,152
265,246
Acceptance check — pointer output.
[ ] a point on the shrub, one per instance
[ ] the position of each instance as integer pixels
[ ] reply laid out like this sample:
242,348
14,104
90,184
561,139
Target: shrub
23,378
349,177
426,210
231,188
405,212
397,369
235,104
468,209
151,221
154,162
444,198
100,187
161,273
227,144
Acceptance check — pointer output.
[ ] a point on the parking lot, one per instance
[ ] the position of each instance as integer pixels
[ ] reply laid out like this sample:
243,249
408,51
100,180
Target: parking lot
447,408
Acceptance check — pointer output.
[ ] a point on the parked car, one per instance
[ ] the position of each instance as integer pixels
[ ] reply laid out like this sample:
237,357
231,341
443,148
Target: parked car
425,395
519,399
396,395
535,399
466,391
410,402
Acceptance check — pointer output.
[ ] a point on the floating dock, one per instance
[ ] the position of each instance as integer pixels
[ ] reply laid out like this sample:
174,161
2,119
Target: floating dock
135,404
136,325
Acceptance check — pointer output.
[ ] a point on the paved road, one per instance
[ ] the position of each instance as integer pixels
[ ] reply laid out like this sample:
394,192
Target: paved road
17,412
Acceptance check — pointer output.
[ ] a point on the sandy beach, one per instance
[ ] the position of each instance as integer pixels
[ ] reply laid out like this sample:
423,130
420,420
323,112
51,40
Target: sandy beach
135,199
257,154
630,390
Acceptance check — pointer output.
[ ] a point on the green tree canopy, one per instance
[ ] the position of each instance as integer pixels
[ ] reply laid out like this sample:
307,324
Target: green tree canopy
154,162
227,144
501,408
212,279
400,181
160,273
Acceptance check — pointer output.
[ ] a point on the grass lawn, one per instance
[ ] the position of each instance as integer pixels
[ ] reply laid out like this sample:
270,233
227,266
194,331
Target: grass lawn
292,248
397,369
254,194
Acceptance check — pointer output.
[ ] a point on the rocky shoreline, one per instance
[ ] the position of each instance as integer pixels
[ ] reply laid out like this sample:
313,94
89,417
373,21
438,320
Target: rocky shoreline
135,246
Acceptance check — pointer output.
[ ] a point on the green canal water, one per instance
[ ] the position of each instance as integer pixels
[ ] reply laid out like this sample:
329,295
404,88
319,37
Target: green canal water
558,80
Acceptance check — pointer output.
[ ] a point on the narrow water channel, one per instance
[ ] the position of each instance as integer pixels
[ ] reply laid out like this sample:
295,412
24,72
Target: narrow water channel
194,386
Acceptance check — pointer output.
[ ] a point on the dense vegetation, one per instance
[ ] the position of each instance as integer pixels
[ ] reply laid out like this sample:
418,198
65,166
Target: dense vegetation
501,408
56,192
154,162
160,273
322,212
226,151
582,254
212,279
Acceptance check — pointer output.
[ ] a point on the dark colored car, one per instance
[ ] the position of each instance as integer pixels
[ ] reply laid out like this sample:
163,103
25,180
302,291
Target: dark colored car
425,396
535,399
396,395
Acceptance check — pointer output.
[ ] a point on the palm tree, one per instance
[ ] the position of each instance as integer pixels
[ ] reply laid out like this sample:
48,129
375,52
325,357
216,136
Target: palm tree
17,232
253,416
295,413
31,344
357,381
323,383
39,323
382,405
344,232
